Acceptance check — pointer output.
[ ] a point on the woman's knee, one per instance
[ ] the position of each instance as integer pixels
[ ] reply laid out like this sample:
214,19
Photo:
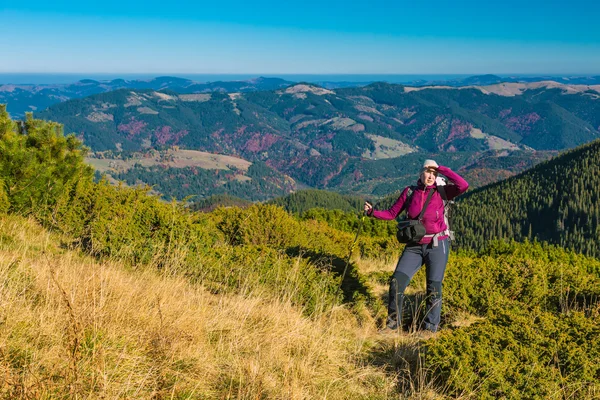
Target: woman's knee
400,281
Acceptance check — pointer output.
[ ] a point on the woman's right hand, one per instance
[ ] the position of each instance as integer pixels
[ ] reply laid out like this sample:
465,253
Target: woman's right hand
368,208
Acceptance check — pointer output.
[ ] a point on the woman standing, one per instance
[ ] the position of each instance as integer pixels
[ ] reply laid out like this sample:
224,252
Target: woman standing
432,250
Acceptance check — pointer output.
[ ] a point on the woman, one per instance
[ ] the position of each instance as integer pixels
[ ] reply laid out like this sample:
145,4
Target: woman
432,250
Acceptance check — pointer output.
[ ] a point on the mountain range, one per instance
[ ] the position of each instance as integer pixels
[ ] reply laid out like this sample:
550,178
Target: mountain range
23,98
368,139
37,97
490,79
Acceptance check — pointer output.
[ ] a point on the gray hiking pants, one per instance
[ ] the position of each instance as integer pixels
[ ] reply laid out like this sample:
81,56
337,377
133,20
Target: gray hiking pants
411,260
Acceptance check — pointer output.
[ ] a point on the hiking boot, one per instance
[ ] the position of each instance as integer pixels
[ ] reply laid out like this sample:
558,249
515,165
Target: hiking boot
425,334
389,331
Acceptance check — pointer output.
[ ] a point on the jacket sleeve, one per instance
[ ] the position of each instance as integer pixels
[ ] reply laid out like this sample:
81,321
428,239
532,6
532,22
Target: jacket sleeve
394,210
459,185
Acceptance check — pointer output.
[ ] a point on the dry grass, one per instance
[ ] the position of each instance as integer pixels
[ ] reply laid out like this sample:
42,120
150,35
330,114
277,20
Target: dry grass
73,327
380,288
370,268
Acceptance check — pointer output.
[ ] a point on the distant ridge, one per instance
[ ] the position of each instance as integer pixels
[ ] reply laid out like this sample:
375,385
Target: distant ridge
36,97
23,98
482,80
517,88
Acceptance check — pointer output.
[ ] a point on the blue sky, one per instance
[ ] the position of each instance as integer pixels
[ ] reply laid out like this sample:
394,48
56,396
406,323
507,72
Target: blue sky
320,37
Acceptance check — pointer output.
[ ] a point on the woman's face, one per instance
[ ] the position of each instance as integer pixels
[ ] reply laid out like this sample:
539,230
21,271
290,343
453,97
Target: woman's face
428,177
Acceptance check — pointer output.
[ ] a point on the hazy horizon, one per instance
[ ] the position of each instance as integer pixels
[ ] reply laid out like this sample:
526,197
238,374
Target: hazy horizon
41,78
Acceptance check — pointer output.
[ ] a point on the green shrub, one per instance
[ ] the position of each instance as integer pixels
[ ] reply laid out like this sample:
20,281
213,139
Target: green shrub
520,352
539,336
258,225
4,202
531,273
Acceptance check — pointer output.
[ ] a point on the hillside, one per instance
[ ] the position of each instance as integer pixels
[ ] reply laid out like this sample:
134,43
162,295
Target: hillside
211,203
191,174
556,201
352,139
78,326
109,292
258,183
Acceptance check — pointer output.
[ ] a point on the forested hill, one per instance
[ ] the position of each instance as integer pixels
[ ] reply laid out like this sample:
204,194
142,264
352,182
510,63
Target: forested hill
556,201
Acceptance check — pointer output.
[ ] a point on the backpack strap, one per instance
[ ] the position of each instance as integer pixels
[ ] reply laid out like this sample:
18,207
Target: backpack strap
447,202
409,194
442,191
429,196
411,190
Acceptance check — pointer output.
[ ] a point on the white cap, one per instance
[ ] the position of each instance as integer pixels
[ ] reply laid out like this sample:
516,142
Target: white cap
430,164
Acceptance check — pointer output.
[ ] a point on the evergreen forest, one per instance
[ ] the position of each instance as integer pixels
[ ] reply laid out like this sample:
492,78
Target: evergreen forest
555,202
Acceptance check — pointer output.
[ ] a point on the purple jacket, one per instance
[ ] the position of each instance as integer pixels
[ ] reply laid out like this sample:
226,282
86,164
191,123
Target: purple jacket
433,220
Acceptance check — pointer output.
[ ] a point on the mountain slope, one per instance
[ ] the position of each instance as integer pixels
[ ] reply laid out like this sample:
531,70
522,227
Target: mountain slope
556,201
303,200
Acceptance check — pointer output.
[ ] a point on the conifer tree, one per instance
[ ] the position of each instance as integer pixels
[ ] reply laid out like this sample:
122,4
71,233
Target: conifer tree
36,162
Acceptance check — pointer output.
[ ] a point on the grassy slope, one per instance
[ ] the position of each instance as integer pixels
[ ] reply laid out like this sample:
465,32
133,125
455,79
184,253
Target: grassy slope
73,325
76,326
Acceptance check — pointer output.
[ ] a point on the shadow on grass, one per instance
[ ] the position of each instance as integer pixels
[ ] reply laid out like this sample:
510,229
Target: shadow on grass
353,283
